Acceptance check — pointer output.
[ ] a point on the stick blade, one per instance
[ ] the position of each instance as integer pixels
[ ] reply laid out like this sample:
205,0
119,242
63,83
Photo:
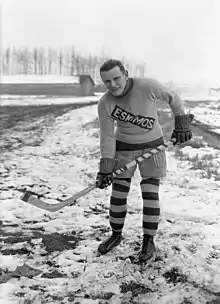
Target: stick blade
34,201
29,198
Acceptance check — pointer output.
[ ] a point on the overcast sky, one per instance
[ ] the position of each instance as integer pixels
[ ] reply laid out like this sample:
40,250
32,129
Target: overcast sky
178,39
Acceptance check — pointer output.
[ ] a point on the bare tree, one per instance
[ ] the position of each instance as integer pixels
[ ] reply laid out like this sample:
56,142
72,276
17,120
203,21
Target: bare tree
60,58
41,61
72,61
50,61
64,62
25,55
8,59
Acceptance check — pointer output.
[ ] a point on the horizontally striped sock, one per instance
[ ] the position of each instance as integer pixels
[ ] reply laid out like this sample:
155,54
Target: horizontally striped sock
151,207
118,203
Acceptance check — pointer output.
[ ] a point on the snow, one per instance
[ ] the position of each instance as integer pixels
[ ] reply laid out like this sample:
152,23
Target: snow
8,262
39,79
11,100
208,116
200,97
65,163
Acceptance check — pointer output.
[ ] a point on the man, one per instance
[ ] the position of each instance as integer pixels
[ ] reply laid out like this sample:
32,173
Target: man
132,104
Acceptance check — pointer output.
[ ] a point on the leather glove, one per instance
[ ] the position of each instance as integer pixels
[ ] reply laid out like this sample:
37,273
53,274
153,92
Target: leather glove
103,180
182,131
104,177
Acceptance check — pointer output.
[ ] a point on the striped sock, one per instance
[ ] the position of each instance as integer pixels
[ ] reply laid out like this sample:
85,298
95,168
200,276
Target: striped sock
118,203
151,207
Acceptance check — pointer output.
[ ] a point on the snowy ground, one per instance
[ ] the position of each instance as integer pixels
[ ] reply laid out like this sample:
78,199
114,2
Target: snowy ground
39,79
209,112
13,100
52,257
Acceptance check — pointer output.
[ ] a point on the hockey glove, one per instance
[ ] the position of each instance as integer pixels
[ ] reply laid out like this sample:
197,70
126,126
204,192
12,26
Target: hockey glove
182,131
104,177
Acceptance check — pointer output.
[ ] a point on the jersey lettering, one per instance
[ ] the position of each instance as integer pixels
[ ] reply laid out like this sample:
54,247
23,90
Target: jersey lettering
137,120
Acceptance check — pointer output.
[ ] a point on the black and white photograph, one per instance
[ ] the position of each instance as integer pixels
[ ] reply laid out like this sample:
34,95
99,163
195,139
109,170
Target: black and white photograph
110,152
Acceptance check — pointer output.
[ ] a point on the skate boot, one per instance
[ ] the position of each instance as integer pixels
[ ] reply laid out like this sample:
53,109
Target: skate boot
148,249
109,244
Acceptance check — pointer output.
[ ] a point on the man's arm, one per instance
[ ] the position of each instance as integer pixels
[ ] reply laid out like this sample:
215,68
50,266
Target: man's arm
161,92
182,131
107,134
107,147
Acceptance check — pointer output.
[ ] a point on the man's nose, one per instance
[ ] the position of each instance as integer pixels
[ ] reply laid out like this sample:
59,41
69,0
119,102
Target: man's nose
113,83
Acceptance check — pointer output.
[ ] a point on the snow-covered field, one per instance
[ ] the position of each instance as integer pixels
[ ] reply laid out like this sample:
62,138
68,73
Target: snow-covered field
39,79
13,100
52,257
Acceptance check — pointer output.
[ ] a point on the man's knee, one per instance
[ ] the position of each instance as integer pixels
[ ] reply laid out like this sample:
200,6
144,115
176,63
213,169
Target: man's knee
121,187
150,181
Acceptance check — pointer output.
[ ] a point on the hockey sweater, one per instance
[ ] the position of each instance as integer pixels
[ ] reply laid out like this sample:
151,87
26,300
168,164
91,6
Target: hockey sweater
131,121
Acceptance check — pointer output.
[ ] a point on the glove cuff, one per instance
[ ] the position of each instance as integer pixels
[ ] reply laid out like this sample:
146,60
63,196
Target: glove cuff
183,121
106,165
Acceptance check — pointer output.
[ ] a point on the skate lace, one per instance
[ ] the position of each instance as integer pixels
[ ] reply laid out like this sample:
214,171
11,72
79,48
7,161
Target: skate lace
113,238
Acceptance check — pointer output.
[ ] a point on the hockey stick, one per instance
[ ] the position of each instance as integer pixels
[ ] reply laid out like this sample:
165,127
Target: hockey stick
28,196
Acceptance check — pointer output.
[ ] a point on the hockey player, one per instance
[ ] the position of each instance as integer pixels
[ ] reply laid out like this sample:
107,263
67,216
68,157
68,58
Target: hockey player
132,104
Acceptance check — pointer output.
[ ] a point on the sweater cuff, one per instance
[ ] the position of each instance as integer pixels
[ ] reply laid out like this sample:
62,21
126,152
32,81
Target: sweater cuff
106,165
183,121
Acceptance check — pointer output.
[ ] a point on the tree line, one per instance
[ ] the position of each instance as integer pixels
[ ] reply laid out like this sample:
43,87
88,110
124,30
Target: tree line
49,61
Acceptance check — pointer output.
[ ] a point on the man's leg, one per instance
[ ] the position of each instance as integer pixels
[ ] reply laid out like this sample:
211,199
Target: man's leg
151,214
151,170
118,202
117,213
151,205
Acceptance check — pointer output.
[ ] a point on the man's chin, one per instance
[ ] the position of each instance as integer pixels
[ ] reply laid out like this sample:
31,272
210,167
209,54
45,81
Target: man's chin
116,93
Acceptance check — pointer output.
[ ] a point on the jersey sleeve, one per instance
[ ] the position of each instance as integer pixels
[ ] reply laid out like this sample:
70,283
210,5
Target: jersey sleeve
107,133
161,92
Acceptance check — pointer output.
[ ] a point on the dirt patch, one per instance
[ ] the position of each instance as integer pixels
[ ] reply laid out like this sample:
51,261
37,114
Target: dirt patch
20,271
52,275
21,251
52,242
174,276
56,242
17,237
135,288
26,125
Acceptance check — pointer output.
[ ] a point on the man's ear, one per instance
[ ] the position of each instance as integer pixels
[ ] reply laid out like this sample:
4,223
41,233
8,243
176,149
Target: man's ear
126,73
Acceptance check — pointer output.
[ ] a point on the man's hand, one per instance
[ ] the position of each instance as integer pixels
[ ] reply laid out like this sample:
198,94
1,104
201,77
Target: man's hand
182,131
104,177
103,180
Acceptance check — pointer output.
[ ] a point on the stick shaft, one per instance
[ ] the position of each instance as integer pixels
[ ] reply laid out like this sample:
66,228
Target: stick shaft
146,155
27,197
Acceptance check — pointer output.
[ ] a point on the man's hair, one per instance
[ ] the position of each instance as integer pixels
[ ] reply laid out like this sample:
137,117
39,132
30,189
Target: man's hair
110,64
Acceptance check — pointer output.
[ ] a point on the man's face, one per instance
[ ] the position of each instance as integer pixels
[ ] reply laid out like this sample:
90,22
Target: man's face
114,80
